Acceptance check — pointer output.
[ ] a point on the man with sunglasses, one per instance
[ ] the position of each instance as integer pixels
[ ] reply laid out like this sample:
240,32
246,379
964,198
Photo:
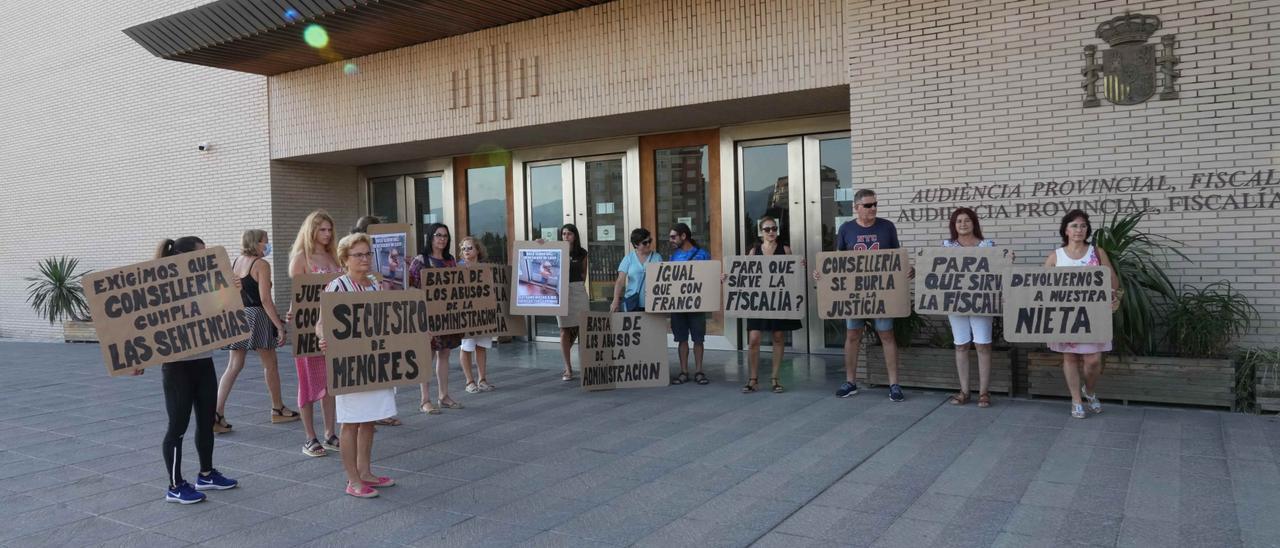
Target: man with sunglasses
866,232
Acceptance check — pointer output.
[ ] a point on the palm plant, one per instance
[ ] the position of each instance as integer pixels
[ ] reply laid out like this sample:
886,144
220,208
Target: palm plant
56,292
1138,258
1203,322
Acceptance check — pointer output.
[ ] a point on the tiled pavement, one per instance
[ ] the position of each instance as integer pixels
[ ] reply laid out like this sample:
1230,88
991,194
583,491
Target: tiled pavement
540,463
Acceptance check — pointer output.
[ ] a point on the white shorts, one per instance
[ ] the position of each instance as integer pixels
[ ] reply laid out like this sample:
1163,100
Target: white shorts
469,345
967,329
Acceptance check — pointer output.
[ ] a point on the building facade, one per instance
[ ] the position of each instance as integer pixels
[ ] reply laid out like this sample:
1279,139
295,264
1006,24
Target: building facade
633,113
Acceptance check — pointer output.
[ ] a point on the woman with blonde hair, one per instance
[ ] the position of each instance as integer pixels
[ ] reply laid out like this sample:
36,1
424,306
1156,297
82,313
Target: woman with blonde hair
472,254
314,252
359,411
268,330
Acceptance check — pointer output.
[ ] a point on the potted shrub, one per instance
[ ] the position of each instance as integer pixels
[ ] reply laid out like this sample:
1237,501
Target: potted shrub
1258,380
927,357
56,294
1201,325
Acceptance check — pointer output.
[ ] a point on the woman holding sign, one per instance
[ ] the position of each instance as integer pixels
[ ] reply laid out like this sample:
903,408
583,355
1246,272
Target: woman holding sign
314,253
628,289
435,254
1077,251
190,384
359,411
265,324
578,299
473,255
768,245
967,232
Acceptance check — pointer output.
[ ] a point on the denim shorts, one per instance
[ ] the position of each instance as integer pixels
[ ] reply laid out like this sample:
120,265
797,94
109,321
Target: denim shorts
687,324
882,324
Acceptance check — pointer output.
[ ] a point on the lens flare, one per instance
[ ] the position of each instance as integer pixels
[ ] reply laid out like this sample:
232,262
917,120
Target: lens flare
350,69
292,15
316,36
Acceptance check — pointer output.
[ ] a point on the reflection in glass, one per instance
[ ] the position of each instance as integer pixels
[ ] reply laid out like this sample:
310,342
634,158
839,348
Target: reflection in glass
429,203
764,191
382,199
487,210
546,211
680,177
835,157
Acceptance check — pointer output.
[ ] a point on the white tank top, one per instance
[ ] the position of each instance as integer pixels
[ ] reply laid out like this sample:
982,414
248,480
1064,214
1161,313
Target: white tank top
1090,258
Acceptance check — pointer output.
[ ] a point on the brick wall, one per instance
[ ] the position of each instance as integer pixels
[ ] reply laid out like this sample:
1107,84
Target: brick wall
619,57
297,189
977,95
98,154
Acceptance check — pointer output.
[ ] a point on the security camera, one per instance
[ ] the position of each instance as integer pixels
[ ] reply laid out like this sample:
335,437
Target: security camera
203,147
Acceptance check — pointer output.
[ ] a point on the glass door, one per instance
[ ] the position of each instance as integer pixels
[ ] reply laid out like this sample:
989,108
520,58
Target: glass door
766,169
828,204
417,200
550,200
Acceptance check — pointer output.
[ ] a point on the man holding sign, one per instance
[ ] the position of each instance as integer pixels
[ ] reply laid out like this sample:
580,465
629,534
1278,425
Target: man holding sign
686,325
867,232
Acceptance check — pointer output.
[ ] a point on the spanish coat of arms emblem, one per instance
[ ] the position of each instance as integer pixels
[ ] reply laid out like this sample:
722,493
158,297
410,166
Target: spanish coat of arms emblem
1128,71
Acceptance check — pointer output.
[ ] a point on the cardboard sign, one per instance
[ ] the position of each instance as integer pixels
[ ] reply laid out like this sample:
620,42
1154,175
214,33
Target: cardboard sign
1066,304
967,281
540,289
506,324
165,310
623,350
390,255
306,312
757,286
683,286
375,339
863,284
460,299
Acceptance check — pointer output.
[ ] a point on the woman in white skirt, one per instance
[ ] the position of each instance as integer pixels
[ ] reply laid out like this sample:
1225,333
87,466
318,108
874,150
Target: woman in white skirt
358,411
471,253
578,299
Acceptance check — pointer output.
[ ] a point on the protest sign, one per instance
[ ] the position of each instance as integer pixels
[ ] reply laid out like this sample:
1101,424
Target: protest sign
391,243
540,289
863,284
623,350
1066,304
306,311
374,339
165,310
460,299
757,286
683,286
967,281
506,324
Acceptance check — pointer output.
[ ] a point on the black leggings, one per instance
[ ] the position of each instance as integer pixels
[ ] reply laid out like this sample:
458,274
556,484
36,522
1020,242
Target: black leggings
189,384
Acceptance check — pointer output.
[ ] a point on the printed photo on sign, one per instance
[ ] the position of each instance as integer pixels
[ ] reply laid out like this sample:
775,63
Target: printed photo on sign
165,310
758,286
540,281
390,255
1059,305
682,286
863,284
306,312
964,281
623,350
374,339
460,299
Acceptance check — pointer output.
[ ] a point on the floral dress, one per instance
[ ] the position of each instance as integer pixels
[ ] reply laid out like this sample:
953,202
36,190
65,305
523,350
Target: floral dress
1090,259
313,381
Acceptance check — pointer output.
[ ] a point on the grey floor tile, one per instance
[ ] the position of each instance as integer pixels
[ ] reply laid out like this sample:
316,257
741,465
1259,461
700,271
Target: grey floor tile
910,533
271,533
143,539
79,533
36,521
200,527
478,531
613,524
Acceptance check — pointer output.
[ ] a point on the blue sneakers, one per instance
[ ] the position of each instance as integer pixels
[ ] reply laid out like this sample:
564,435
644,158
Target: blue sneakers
847,389
215,481
895,393
183,494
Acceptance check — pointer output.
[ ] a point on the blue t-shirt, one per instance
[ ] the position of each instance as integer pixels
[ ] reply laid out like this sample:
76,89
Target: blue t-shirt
693,254
882,234
634,269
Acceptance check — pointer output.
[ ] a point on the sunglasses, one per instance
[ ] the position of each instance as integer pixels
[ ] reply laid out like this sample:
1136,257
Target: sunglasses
645,242
468,248
768,229
871,205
